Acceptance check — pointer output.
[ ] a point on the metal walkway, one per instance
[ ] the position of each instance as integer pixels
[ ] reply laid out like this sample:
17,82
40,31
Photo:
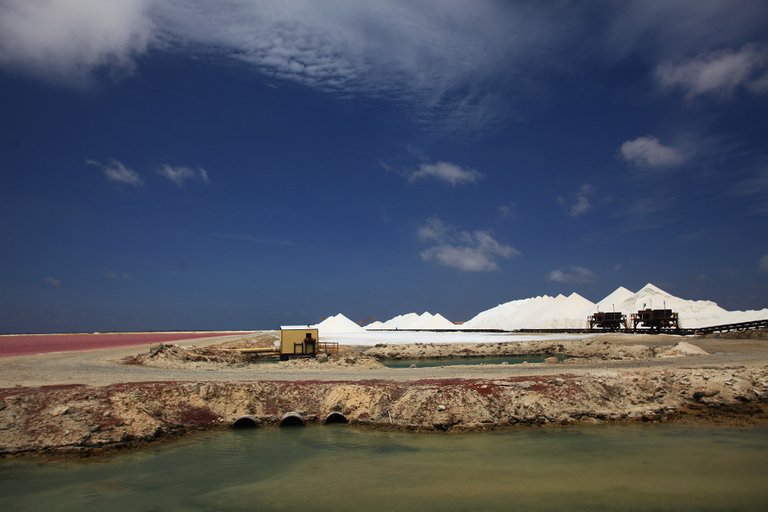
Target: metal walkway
741,326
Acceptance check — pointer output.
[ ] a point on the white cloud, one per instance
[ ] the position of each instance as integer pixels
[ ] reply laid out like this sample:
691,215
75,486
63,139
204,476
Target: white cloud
468,251
52,281
720,73
444,58
454,62
117,172
649,152
434,230
66,40
580,203
447,172
508,211
387,48
572,274
179,175
764,263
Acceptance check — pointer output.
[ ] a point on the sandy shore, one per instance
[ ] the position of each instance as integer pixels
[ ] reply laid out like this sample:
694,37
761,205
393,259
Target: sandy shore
85,401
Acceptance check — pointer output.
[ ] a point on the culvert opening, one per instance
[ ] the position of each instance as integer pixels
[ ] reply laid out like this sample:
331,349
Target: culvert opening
245,422
335,417
292,419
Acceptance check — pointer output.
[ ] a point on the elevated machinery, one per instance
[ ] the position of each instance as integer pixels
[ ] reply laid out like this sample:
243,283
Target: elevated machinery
607,321
643,320
655,319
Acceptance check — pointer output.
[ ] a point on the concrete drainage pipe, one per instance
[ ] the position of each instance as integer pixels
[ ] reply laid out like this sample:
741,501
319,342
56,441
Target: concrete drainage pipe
292,419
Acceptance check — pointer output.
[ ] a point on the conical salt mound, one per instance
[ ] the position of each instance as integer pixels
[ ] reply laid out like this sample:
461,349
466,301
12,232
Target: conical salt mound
691,313
338,323
440,322
614,299
414,321
563,313
515,314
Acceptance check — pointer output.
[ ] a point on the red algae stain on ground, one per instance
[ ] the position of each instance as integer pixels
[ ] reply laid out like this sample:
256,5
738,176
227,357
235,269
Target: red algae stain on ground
16,345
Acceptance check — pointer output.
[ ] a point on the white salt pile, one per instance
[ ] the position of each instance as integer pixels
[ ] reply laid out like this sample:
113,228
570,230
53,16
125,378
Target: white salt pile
691,313
571,312
338,323
414,321
543,312
615,298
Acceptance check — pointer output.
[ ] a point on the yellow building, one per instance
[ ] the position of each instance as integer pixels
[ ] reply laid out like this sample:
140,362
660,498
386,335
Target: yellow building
297,340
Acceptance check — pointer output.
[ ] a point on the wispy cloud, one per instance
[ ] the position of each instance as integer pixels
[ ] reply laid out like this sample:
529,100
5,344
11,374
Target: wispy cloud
717,73
389,48
116,172
572,274
446,67
453,63
756,183
447,172
580,202
667,28
179,175
754,189
763,265
507,211
648,152
468,251
52,281
117,276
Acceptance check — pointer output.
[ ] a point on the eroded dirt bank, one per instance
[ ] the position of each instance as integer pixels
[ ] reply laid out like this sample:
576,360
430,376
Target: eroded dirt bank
84,418
91,401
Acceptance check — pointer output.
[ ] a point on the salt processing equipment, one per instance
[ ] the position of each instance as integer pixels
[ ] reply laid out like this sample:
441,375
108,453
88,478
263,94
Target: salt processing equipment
303,341
655,319
607,321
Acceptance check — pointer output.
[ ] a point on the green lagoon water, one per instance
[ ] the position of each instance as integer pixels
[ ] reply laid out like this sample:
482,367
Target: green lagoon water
602,468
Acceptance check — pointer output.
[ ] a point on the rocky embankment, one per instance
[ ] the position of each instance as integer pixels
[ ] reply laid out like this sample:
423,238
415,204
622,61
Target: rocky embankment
57,419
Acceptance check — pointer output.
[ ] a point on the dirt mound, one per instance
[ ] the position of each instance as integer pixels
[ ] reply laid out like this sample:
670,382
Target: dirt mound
358,361
261,340
222,355
228,355
175,356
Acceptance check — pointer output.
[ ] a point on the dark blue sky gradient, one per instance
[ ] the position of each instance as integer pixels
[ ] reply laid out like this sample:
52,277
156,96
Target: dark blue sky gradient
312,207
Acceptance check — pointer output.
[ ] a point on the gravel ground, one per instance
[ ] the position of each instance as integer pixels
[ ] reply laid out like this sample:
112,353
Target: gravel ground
91,401
102,367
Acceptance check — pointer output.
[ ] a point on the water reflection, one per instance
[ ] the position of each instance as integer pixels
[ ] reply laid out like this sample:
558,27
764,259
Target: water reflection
428,362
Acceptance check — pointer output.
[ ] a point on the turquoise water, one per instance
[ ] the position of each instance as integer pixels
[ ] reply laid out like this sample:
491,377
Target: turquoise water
604,468
451,361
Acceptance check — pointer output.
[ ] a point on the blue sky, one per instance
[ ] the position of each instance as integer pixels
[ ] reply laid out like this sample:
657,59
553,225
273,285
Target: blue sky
236,165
